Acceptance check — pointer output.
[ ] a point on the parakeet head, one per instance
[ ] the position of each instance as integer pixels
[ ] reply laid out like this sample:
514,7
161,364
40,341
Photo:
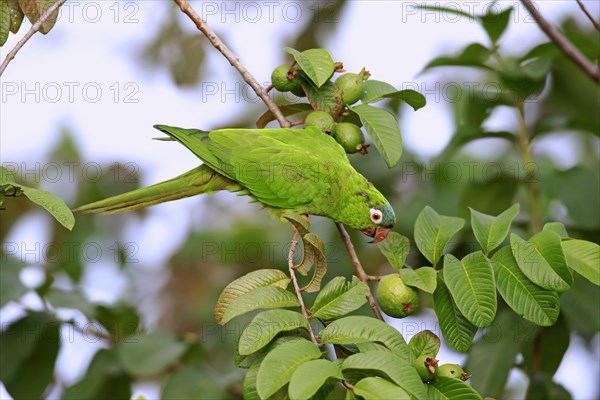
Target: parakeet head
374,215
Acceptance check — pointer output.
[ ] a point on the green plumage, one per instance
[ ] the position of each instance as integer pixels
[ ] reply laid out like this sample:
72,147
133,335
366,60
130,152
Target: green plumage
300,171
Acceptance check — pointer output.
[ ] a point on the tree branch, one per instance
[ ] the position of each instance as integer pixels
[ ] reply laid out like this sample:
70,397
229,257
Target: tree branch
233,60
587,13
563,44
293,245
362,275
529,165
34,28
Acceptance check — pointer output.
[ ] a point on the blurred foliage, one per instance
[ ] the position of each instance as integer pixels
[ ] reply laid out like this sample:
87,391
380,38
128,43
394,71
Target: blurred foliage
559,101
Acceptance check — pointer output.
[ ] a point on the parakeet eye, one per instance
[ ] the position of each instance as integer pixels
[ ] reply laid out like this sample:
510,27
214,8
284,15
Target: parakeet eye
376,215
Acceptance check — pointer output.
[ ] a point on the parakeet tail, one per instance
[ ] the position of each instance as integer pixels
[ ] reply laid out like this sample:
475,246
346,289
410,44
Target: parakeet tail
199,180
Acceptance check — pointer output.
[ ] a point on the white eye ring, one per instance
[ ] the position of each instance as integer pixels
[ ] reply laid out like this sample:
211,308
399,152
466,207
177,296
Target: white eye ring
376,216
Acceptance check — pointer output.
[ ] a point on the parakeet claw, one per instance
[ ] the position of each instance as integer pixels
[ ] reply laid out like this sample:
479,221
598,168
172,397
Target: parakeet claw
378,234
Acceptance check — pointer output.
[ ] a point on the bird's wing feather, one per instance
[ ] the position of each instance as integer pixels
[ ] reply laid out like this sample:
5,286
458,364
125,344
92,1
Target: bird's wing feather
283,168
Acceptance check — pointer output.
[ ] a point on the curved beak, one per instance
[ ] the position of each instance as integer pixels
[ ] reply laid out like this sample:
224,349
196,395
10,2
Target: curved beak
378,234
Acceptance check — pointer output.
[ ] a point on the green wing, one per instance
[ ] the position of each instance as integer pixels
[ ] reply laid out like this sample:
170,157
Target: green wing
283,168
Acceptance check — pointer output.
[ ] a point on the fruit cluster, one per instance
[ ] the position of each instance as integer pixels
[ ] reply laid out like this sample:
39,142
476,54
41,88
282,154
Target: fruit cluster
399,300
428,369
350,88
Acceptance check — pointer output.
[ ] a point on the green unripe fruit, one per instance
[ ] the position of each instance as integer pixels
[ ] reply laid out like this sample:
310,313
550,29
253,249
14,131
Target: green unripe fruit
426,367
349,136
280,78
351,86
452,371
395,298
298,91
321,120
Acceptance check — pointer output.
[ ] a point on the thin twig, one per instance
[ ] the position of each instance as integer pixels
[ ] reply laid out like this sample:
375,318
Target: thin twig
587,13
293,245
563,43
529,165
233,60
362,275
34,28
535,363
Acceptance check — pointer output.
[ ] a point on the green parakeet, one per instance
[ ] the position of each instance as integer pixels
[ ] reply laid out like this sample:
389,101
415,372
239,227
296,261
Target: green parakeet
301,171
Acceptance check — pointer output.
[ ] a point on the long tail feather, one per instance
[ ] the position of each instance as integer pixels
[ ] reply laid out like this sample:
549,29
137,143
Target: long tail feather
196,181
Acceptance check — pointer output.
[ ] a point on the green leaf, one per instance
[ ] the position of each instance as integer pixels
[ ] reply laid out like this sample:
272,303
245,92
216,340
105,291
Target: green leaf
35,9
456,329
474,55
411,97
191,382
317,64
301,224
286,110
530,301
379,389
245,361
526,80
5,20
446,10
572,187
360,329
53,204
395,248
383,130
473,288
445,388
584,258
150,353
542,260
6,177
542,387
255,359
280,364
249,384
375,91
423,278
489,195
557,228
266,325
29,344
390,365
105,379
73,299
491,231
339,298
327,98
425,343
261,297
16,15
493,356
552,348
247,283
120,320
314,249
495,24
434,231
310,376
11,287
580,307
